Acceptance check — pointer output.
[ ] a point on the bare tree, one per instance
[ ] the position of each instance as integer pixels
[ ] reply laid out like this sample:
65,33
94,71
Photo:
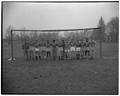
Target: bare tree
99,34
113,29
8,34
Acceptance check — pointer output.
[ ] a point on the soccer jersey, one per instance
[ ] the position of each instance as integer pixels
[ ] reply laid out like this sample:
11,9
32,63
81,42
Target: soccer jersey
77,44
93,43
82,44
48,44
87,44
63,44
25,46
54,45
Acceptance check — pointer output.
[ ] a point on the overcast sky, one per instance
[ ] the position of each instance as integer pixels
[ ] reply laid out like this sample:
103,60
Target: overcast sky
57,15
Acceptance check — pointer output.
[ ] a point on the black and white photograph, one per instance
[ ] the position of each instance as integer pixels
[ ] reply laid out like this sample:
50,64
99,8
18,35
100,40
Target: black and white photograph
60,47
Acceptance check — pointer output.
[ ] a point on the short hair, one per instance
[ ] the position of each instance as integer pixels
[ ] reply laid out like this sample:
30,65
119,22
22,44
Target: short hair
53,40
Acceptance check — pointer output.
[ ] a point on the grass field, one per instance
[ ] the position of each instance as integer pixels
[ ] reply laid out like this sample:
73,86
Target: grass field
98,76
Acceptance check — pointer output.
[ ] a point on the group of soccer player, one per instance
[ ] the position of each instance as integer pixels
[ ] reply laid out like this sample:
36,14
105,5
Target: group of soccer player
80,49
63,49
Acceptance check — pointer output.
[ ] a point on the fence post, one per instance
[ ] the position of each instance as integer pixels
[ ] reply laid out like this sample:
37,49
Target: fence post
11,58
11,45
100,43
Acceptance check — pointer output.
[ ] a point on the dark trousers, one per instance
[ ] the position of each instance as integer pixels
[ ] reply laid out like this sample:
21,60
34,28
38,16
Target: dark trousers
54,53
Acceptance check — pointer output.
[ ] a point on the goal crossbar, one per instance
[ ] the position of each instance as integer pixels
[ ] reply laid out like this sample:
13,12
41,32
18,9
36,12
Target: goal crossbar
56,30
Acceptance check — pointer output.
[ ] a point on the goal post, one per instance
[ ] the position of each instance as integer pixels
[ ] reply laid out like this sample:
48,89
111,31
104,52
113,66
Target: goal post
53,31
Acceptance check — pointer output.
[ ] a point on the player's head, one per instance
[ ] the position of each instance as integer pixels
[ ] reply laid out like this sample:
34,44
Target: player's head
53,41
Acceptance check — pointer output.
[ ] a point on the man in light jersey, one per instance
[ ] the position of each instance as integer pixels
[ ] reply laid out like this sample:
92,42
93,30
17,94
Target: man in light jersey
93,48
83,49
48,50
63,45
87,52
80,49
77,50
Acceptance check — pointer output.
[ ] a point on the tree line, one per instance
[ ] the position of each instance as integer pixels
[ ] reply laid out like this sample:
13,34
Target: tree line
107,33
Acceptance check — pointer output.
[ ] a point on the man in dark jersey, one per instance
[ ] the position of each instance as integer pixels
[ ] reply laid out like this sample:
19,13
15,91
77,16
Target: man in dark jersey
44,53
93,48
87,48
54,49
80,45
65,51
48,51
25,48
63,45
82,49
77,50
31,52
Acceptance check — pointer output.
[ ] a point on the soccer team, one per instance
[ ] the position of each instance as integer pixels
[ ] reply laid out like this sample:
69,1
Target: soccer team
61,50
